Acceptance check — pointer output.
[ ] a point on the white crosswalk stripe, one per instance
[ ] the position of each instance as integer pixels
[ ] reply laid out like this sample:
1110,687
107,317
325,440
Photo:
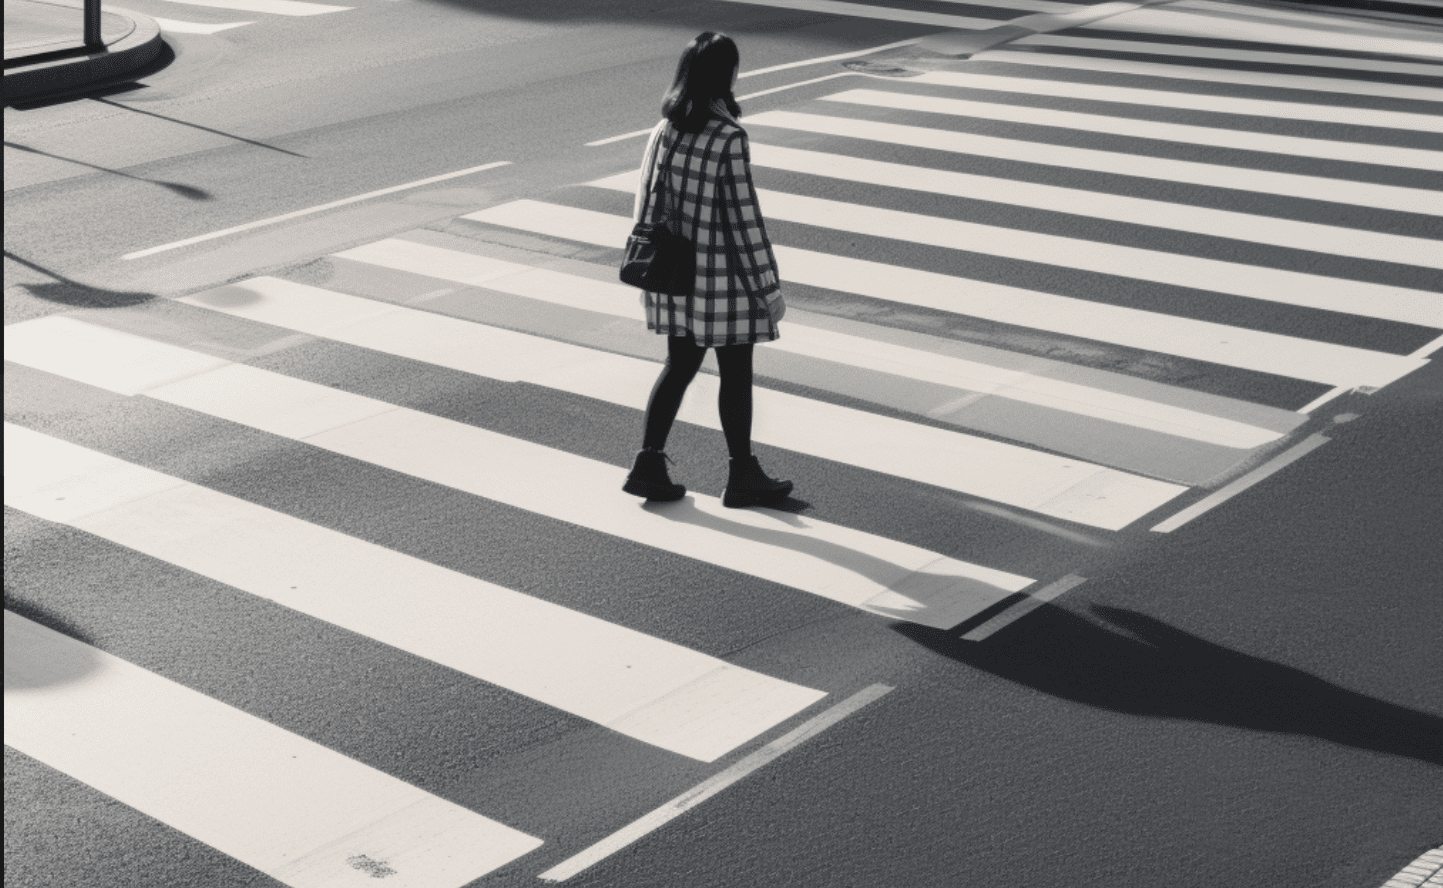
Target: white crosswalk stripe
287,806
1201,340
1215,75
1037,441
1230,54
1366,194
1187,134
642,687
273,7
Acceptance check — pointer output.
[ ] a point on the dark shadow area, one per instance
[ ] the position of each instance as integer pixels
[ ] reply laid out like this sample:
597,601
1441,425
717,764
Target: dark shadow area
35,658
123,84
189,192
105,101
67,292
1132,663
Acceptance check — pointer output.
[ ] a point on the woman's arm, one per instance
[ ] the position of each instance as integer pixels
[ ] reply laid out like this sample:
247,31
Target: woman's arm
757,265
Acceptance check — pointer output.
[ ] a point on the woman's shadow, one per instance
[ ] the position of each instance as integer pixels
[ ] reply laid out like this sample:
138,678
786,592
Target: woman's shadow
1129,662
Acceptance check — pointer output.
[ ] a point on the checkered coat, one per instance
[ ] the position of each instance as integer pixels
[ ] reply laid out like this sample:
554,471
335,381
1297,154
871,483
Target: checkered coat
735,267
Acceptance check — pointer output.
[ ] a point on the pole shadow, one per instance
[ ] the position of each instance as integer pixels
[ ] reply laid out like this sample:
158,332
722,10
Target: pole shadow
190,192
1134,664
65,291
35,658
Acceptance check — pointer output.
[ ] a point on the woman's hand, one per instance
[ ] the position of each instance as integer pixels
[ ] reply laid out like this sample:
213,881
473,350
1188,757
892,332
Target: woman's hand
776,305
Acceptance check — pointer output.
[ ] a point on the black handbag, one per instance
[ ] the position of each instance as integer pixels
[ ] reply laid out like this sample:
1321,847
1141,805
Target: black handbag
657,257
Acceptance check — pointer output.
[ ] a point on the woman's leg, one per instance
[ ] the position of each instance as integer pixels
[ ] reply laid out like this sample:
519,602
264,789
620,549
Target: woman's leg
683,359
734,403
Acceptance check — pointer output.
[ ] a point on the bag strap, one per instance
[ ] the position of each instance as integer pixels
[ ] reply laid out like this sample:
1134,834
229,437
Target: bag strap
655,187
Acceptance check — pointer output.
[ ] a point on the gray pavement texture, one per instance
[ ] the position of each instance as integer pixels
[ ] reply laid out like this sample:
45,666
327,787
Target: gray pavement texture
1251,701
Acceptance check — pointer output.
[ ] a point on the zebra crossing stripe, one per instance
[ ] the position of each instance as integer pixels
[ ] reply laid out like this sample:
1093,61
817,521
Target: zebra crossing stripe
1004,473
883,13
171,26
1269,79
287,806
1234,24
646,688
1187,134
1157,98
855,568
1317,188
1183,50
1364,299
1164,334
619,300
273,7
1290,233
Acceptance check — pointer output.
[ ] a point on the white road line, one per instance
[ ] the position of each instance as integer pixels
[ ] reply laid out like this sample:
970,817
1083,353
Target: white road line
1104,44
639,828
1149,331
1032,602
1325,398
1428,349
648,689
1005,473
884,13
619,300
1236,25
1363,299
1188,134
171,26
284,805
830,58
1269,79
1366,194
855,568
1157,98
1426,871
1261,473
1288,233
306,212
273,7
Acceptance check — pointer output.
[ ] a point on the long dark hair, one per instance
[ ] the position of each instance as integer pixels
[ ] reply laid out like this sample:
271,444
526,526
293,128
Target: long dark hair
703,75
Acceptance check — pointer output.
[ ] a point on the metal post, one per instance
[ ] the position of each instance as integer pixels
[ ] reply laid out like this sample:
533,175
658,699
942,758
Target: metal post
92,25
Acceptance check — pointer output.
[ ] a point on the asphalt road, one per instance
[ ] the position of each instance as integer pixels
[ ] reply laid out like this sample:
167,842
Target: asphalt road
1252,699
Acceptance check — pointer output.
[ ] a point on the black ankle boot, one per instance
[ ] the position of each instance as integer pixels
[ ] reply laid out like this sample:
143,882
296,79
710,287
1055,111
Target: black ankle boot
748,485
649,479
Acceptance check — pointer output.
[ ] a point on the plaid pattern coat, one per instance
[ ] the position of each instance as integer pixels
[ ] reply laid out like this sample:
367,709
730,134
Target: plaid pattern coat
710,174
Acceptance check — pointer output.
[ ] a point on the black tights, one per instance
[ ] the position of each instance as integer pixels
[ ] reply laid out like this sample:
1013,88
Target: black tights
683,359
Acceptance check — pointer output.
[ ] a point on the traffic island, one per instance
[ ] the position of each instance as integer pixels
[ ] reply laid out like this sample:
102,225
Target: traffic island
45,53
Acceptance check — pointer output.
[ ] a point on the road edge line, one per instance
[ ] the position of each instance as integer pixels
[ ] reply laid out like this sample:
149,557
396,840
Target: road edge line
648,823
1262,472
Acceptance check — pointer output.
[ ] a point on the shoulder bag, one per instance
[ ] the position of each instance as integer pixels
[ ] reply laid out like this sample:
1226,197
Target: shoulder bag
657,257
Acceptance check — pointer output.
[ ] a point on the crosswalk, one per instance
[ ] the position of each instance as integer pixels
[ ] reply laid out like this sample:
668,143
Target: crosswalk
1027,219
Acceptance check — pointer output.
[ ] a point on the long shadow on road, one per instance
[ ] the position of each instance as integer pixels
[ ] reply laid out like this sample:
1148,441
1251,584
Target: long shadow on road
1132,663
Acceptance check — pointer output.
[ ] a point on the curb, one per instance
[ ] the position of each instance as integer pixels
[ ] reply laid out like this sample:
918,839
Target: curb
137,48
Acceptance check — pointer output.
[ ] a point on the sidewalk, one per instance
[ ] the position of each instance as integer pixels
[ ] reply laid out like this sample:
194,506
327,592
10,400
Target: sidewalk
44,51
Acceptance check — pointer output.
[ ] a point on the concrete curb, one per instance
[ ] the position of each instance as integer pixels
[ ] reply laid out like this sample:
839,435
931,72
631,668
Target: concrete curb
136,48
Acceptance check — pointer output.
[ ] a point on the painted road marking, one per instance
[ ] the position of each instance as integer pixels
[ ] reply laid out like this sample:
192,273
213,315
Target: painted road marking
1005,473
273,7
1261,473
673,809
1149,331
171,26
1232,55
289,807
1187,134
1298,109
1378,246
1270,79
1361,298
648,689
1424,872
1032,602
1366,194
1233,23
306,212
575,291
855,568
884,13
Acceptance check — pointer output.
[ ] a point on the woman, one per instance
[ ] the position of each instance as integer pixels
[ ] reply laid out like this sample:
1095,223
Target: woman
705,184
